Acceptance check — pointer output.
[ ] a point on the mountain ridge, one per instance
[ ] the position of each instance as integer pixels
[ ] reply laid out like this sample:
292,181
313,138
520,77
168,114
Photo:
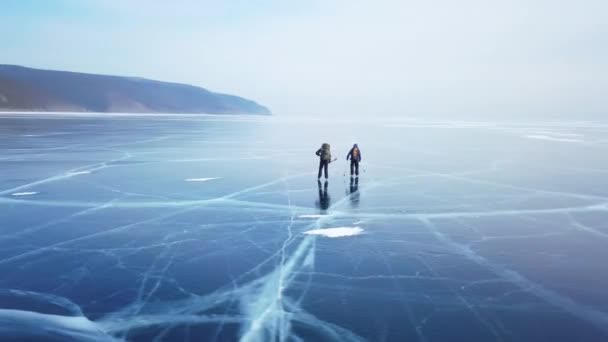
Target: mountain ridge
29,89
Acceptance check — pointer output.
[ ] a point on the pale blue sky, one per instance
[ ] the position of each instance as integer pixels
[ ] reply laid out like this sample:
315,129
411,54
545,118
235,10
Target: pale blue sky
474,58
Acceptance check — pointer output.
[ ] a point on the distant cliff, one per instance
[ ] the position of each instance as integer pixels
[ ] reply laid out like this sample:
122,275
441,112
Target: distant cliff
26,89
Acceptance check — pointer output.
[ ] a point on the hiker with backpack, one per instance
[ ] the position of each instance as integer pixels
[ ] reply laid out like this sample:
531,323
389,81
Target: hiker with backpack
324,159
355,157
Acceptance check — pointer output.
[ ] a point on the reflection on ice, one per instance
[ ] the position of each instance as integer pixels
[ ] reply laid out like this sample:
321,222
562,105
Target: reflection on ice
324,200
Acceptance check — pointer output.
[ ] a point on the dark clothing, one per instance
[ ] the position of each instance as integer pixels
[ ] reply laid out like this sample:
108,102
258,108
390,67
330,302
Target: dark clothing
323,166
324,158
355,157
352,155
354,167
324,153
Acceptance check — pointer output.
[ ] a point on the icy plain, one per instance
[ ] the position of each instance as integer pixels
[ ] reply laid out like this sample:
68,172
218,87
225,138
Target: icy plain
185,228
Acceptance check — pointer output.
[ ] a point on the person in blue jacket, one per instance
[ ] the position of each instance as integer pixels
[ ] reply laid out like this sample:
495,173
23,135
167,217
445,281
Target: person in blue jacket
355,157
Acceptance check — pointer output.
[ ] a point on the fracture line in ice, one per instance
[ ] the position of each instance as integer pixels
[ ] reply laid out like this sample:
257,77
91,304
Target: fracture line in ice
25,193
56,221
490,213
144,296
77,173
65,175
68,305
586,228
384,276
277,320
39,326
120,228
485,320
269,320
85,237
265,315
456,176
274,319
262,300
591,315
257,206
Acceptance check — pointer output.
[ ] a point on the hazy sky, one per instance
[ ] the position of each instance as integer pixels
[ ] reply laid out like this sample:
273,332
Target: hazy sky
326,57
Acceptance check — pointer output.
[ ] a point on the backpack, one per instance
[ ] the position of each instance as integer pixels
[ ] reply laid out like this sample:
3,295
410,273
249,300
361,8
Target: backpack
325,154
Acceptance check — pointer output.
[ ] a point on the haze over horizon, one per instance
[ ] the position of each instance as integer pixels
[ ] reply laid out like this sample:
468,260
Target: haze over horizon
433,59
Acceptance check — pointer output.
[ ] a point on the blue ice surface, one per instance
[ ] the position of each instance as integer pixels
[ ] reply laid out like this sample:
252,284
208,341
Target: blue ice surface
186,228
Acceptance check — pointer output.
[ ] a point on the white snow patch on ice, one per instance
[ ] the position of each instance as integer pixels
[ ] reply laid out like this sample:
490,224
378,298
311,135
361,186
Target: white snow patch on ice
27,193
550,138
358,222
311,216
336,232
200,179
557,134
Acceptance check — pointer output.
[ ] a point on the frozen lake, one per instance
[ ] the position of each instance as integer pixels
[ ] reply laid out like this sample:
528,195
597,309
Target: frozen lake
215,228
